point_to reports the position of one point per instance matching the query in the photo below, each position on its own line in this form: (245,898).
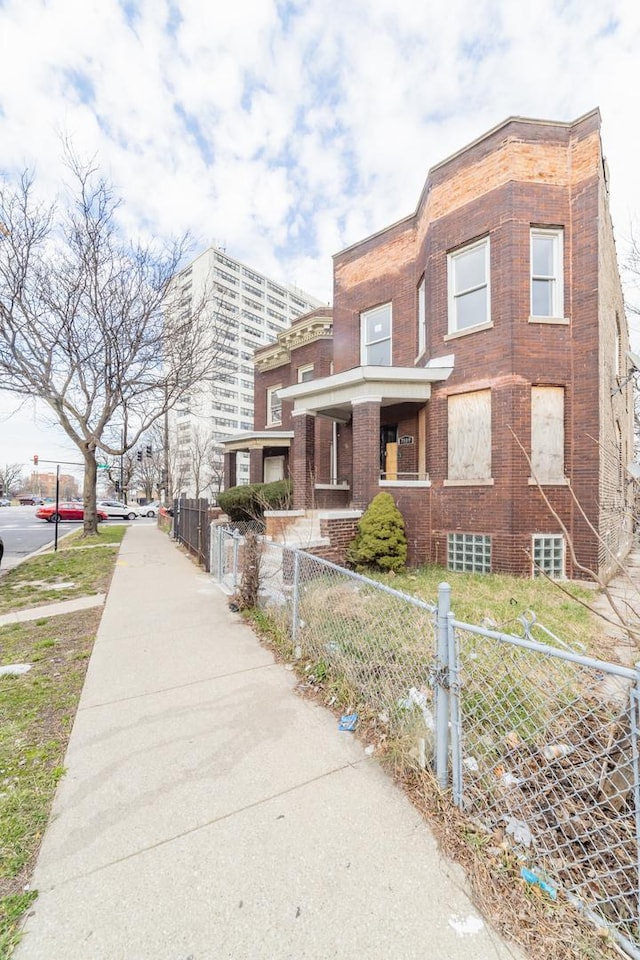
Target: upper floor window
(305,373)
(274,406)
(422,317)
(376,336)
(469,297)
(546,273)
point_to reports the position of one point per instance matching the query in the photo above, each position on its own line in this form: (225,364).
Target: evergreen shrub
(380,541)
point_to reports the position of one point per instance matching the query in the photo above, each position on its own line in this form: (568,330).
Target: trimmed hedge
(248,502)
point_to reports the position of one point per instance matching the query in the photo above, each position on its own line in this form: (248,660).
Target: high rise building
(248,310)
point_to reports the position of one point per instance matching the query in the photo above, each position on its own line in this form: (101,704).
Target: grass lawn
(80,568)
(502,600)
(37,708)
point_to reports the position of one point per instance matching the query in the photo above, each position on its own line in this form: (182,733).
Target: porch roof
(333,396)
(257,440)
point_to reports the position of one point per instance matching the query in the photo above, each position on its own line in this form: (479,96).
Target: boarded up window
(547,434)
(470,436)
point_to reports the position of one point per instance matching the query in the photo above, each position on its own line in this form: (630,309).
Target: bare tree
(94,325)
(10,478)
(150,457)
(200,451)
(216,467)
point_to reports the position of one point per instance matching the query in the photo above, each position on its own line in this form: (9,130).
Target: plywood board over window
(469,438)
(547,434)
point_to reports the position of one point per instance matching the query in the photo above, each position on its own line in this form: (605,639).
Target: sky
(286,130)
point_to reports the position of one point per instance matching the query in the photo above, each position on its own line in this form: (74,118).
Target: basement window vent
(548,556)
(469,553)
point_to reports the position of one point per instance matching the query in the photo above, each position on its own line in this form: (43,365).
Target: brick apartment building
(474,365)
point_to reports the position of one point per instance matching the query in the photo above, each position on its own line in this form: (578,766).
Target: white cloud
(286,130)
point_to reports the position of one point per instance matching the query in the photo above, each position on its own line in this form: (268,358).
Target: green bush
(249,502)
(380,541)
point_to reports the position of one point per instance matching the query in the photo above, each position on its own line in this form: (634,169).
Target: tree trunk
(89,493)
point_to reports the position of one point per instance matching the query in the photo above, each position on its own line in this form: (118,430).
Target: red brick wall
(366,452)
(520,175)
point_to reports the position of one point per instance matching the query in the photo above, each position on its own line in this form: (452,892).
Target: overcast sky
(285,130)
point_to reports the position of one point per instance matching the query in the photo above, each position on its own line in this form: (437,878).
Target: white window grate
(469,553)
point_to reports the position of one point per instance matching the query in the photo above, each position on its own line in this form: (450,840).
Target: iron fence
(538,742)
(191,527)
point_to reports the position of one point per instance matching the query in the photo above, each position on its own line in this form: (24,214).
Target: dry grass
(544,928)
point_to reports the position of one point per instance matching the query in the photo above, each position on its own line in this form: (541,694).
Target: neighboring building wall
(304,344)
(616,401)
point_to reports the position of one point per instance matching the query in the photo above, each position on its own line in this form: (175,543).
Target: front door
(273,469)
(389,452)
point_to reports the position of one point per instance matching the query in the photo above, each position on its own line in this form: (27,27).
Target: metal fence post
(236,549)
(220,554)
(454,705)
(296,596)
(441,692)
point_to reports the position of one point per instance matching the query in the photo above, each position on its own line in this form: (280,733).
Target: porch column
(366,450)
(303,460)
(256,469)
(230,461)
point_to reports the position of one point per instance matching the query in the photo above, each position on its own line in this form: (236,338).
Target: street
(23,533)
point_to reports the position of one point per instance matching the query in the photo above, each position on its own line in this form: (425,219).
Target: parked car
(30,500)
(149,509)
(115,508)
(4,502)
(66,511)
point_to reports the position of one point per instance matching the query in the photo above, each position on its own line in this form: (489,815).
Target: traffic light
(117,486)
(149,450)
(139,456)
(35,459)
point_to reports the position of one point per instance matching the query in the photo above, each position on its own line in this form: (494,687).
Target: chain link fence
(545,757)
(538,743)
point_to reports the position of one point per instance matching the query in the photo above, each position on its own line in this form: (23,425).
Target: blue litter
(532,877)
(348,721)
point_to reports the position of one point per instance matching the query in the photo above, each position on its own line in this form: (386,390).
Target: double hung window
(546,274)
(274,406)
(469,293)
(375,335)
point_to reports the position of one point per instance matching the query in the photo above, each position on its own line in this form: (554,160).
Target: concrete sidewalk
(209,812)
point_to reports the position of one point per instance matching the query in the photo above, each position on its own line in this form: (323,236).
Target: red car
(66,511)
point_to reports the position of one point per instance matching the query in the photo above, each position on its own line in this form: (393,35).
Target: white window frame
(456,295)
(364,344)
(422,317)
(307,368)
(554,543)
(469,552)
(556,278)
(271,422)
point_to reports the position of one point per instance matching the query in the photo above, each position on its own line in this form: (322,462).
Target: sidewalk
(210,813)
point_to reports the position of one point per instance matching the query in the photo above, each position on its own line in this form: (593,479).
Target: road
(23,533)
